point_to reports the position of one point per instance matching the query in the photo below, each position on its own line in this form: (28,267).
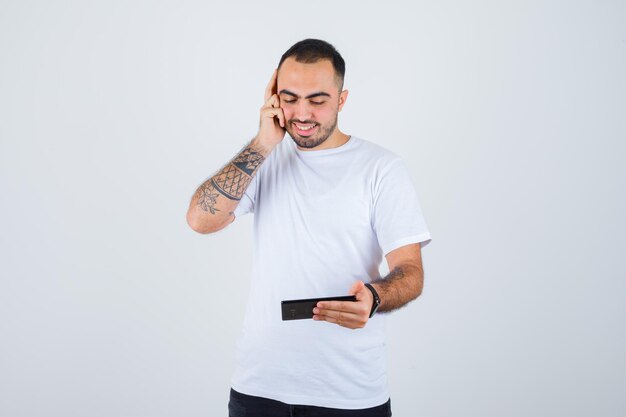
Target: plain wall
(510,115)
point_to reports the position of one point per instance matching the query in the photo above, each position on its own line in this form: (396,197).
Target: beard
(308,142)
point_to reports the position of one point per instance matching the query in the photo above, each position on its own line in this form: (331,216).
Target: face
(310,98)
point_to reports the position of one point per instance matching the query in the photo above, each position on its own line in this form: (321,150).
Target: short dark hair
(310,51)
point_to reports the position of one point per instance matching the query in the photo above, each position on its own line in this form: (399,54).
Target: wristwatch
(376,301)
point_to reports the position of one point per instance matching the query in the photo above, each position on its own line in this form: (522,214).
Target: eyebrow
(289,93)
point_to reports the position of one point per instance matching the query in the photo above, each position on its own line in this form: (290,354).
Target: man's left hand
(350,314)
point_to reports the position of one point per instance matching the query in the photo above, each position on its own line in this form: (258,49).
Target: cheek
(326,114)
(287,112)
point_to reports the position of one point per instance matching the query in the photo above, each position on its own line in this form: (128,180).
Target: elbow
(418,283)
(418,292)
(196,225)
(200,225)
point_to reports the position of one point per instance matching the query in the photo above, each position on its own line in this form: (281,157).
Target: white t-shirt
(322,220)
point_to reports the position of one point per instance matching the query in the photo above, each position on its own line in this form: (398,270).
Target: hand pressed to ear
(350,314)
(272,123)
(272,86)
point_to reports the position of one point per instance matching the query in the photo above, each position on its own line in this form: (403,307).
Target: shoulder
(377,157)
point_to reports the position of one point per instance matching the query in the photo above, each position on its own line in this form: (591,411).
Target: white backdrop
(511,116)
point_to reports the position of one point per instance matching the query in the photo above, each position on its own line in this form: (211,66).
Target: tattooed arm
(214,202)
(212,206)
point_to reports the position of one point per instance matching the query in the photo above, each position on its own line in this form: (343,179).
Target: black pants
(242,405)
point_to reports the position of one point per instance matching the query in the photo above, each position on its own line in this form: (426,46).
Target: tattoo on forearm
(207,197)
(248,160)
(232,181)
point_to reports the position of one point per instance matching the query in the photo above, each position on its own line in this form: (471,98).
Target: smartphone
(303,309)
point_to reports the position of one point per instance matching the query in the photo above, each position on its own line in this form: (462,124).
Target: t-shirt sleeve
(397,217)
(247,202)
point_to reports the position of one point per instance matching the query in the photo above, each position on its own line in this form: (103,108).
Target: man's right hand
(212,206)
(272,124)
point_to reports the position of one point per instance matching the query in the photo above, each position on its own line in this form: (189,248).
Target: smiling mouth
(305,129)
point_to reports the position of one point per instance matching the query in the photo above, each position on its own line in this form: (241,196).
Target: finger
(346,314)
(272,112)
(271,86)
(341,320)
(351,319)
(358,309)
(340,316)
(272,101)
(337,319)
(351,306)
(281,117)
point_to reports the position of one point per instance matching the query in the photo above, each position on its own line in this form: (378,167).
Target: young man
(326,206)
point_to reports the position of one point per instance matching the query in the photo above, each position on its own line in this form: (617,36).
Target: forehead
(307,78)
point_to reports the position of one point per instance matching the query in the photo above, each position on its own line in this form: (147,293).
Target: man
(326,207)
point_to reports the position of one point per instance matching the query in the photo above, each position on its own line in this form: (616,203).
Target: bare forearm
(213,203)
(402,285)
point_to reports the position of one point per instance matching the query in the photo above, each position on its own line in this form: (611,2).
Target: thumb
(357,288)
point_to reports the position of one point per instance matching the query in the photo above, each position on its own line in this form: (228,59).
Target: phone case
(303,309)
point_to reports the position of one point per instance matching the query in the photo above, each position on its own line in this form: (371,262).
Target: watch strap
(376,301)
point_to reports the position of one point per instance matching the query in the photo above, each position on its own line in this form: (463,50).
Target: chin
(307,143)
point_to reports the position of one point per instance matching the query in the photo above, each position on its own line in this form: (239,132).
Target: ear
(342,99)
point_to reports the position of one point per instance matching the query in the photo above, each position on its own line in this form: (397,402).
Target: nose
(303,111)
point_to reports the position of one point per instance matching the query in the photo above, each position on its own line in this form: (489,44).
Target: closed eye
(317,103)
